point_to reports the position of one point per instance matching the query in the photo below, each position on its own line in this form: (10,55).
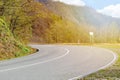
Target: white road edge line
(114,59)
(53,59)
(76,77)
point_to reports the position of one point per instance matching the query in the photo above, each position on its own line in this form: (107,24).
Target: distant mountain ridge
(80,14)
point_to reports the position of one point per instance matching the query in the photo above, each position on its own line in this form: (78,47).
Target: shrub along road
(54,62)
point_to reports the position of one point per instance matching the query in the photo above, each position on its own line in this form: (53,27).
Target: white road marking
(67,52)
(24,66)
(76,77)
(114,59)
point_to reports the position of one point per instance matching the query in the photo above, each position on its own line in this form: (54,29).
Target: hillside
(52,28)
(30,21)
(79,14)
(105,28)
(50,22)
(15,29)
(9,46)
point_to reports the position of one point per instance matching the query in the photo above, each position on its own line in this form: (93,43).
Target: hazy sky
(99,4)
(107,7)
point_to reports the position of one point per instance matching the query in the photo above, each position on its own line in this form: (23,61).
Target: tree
(65,31)
(19,21)
(113,32)
(9,46)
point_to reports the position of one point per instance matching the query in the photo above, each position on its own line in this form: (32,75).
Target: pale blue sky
(106,7)
(99,4)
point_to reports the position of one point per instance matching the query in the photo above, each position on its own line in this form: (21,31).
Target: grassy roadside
(111,73)
(17,53)
(10,47)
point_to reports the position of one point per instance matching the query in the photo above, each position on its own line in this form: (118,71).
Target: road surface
(57,63)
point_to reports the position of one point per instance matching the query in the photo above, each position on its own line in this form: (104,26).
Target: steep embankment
(9,46)
(15,29)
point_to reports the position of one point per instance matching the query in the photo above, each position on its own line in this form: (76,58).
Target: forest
(27,21)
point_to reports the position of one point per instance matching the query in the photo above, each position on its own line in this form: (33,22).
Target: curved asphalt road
(57,63)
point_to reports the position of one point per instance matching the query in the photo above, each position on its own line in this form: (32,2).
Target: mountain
(106,28)
(50,27)
(80,14)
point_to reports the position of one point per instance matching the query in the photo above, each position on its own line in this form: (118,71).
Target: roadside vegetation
(31,21)
(25,21)
(110,73)
(9,46)
(15,29)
